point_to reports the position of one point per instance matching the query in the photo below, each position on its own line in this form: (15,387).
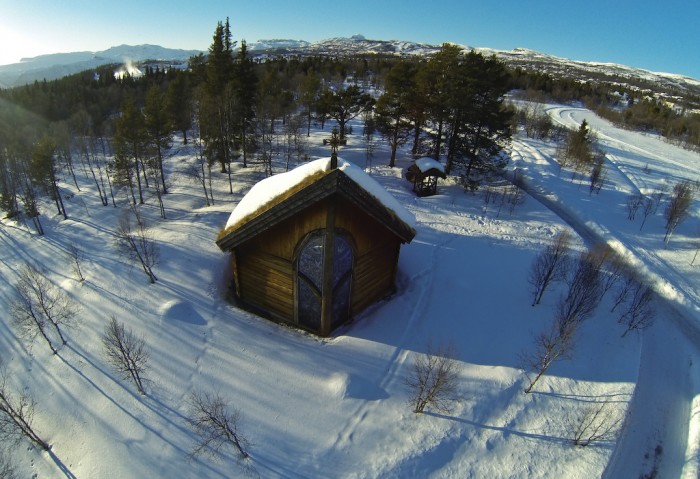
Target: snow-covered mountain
(58,65)
(668,85)
(355,45)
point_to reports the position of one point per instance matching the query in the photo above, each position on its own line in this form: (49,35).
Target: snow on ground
(337,407)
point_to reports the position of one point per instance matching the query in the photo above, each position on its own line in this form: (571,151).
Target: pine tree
(130,143)
(437,79)
(393,107)
(309,90)
(178,103)
(43,170)
(157,128)
(346,104)
(465,103)
(487,123)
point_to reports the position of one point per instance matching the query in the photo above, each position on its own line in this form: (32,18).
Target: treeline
(633,107)
(118,128)
(679,128)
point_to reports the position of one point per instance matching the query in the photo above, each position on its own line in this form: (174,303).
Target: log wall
(264,266)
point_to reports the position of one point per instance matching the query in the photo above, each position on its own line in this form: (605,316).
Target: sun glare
(15,46)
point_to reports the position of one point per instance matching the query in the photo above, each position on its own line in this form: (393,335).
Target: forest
(238,108)
(231,118)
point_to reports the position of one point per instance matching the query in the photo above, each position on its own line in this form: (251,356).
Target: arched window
(309,282)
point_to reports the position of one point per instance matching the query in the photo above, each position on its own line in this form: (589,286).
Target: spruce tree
(215,112)
(244,91)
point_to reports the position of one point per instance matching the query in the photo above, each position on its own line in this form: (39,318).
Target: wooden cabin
(424,174)
(315,246)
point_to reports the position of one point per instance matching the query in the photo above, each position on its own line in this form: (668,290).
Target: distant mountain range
(670,86)
(58,65)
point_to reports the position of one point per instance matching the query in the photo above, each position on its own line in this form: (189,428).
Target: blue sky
(655,35)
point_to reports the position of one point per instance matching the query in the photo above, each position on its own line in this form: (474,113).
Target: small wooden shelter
(424,173)
(316,245)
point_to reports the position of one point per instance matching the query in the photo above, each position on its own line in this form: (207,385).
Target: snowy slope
(662,410)
(337,407)
(58,65)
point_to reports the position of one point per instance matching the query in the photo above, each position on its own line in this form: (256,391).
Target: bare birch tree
(648,209)
(697,250)
(678,207)
(638,313)
(634,202)
(16,414)
(134,240)
(598,175)
(7,467)
(615,269)
(550,265)
(578,304)
(433,379)
(216,425)
(77,256)
(584,292)
(593,423)
(550,347)
(42,308)
(125,352)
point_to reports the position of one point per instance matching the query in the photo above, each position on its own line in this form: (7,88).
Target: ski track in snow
(422,282)
(662,411)
(655,438)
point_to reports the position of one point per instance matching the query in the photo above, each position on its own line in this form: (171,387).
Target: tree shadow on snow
(142,400)
(538,436)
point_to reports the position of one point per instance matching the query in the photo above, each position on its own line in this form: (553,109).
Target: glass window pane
(311,267)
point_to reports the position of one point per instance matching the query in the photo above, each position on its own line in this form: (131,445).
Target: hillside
(57,65)
(338,407)
(671,87)
(674,88)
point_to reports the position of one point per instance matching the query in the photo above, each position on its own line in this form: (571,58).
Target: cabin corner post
(234,272)
(327,288)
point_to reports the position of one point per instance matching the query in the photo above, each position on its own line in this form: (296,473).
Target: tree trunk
(138,181)
(162,171)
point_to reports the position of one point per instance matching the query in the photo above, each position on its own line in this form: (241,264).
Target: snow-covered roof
(267,192)
(426,164)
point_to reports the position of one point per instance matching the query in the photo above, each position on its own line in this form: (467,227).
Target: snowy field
(337,407)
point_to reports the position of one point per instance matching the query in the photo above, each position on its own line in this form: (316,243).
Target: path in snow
(656,433)
(419,295)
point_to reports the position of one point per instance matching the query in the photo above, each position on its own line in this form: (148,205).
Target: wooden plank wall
(264,267)
(373,276)
(265,281)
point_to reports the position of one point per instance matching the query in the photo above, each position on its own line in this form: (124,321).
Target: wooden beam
(327,289)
